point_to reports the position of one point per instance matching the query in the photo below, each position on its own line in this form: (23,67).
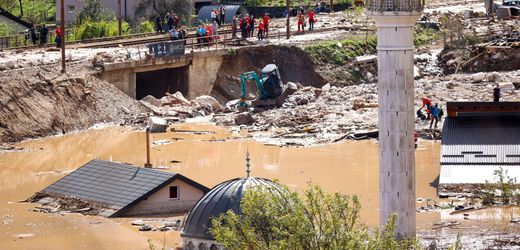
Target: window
(174,192)
(71,8)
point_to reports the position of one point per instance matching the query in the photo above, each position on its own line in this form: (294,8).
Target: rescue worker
(176,21)
(301,22)
(428,104)
(266,19)
(260,31)
(312,19)
(496,93)
(59,36)
(435,115)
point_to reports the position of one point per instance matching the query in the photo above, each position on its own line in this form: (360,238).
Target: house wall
(111,5)
(160,202)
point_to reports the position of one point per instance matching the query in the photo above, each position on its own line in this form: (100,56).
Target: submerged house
(117,190)
(477,139)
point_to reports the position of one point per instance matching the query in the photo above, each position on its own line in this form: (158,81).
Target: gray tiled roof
(114,184)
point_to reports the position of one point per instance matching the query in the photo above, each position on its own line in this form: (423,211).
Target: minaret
(248,171)
(395,21)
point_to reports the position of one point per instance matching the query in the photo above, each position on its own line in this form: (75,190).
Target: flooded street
(350,167)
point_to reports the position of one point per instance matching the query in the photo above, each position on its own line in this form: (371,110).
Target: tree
(286,220)
(154,8)
(93,11)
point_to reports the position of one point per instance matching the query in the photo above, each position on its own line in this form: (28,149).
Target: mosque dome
(223,197)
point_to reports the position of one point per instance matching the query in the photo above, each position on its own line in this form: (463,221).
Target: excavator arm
(247,76)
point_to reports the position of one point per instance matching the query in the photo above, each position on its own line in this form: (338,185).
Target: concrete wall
(203,69)
(160,202)
(127,8)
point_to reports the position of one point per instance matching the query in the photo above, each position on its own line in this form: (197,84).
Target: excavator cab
(271,81)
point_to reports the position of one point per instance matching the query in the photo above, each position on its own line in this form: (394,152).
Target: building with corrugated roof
(477,139)
(118,190)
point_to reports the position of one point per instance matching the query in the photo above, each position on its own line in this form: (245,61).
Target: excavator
(271,90)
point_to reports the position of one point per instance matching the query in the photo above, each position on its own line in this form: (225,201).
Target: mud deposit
(349,167)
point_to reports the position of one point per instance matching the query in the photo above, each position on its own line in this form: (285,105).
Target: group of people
(434,112)
(38,34)
(219,15)
(302,18)
(207,33)
(247,25)
(166,24)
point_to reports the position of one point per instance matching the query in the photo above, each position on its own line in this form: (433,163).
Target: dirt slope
(37,102)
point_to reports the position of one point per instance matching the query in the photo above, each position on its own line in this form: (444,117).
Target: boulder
(10,64)
(208,100)
(416,72)
(152,100)
(2,66)
(325,87)
(506,86)
(478,77)
(516,82)
(493,77)
(244,118)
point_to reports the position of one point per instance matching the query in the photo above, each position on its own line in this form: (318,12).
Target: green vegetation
(5,30)
(505,191)
(88,29)
(37,11)
(273,219)
(343,51)
(92,11)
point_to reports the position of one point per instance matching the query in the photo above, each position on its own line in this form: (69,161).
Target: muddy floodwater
(350,167)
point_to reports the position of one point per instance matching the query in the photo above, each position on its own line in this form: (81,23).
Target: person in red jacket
(261,31)
(312,19)
(428,104)
(59,36)
(301,22)
(266,19)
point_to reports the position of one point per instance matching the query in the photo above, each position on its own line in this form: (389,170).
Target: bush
(89,29)
(5,30)
(273,219)
(341,52)
(146,26)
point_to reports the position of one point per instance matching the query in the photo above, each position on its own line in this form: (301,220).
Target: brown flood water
(349,167)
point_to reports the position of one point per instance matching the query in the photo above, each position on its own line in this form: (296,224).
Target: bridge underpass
(158,82)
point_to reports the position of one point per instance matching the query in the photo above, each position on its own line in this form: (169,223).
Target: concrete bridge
(193,74)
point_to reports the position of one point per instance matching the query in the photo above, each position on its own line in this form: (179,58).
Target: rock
(325,87)
(208,100)
(176,98)
(370,76)
(506,86)
(244,118)
(10,64)
(2,66)
(145,228)
(152,100)
(478,77)
(157,125)
(516,82)
(416,72)
(493,77)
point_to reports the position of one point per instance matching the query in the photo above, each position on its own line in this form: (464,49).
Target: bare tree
(153,8)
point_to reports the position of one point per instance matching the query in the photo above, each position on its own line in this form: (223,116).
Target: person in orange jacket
(301,22)
(312,19)
(261,31)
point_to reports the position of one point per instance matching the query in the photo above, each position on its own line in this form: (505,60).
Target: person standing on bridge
(59,35)
(213,16)
(234,27)
(158,25)
(169,21)
(496,93)
(44,32)
(261,31)
(222,14)
(32,32)
(175,21)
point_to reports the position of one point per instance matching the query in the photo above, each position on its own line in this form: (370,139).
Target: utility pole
(63,37)
(288,8)
(119,17)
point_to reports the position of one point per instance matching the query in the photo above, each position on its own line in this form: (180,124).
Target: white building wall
(110,5)
(160,202)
